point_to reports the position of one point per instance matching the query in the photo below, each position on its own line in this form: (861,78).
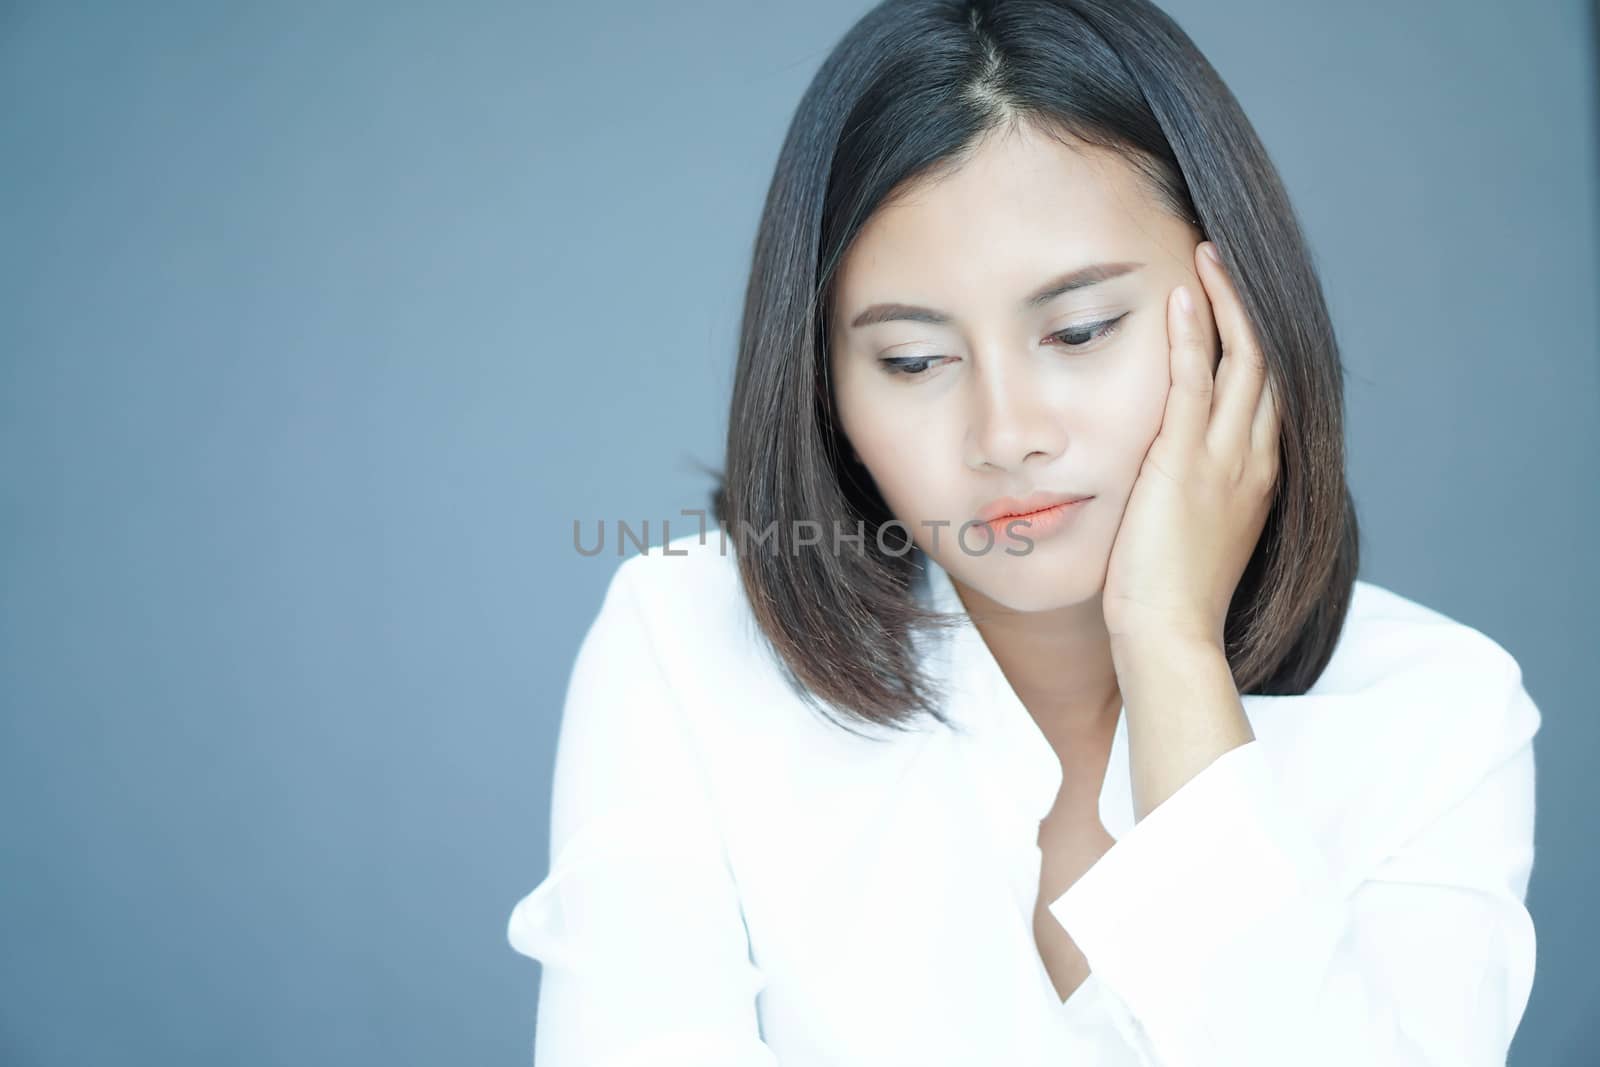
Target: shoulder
(1393,648)
(687,602)
(689,605)
(1413,711)
(689,575)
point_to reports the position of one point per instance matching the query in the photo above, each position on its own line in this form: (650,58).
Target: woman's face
(996,400)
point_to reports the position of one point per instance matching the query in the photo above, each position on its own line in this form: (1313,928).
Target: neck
(1058,662)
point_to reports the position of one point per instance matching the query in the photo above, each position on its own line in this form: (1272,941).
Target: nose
(1012,417)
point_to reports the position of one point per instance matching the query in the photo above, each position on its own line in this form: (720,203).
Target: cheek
(893,446)
(906,470)
(1135,403)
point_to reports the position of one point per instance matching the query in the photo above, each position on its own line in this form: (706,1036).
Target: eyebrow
(1081,278)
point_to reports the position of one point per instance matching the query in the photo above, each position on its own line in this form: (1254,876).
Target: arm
(638,925)
(1229,931)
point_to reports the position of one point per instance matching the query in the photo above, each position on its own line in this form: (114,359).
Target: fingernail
(1211,251)
(1183,299)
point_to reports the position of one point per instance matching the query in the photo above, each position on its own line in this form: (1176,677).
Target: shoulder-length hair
(907,92)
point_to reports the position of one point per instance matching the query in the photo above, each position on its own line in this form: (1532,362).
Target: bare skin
(1009,378)
(1021,412)
(1001,406)
(1071,839)
(1069,849)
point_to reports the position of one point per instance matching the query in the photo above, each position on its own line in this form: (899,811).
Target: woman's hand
(1203,493)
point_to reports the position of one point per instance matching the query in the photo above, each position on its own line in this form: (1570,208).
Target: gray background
(323,322)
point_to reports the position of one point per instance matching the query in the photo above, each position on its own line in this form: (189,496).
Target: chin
(1039,581)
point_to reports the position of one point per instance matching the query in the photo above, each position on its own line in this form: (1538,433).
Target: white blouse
(736,882)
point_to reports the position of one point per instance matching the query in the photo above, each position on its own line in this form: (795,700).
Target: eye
(1082,336)
(1072,337)
(909,366)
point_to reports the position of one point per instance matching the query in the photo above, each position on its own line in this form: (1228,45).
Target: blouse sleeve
(1226,932)
(638,928)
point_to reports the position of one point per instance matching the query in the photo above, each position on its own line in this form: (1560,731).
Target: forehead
(1022,206)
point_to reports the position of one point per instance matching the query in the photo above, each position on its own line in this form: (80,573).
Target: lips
(1012,507)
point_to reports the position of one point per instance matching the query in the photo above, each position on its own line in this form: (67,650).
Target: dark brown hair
(906,93)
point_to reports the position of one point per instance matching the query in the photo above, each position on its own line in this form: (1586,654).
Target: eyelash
(896,366)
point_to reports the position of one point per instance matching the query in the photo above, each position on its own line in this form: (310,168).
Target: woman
(1025,704)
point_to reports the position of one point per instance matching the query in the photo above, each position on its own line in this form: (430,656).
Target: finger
(1265,427)
(1189,359)
(1242,371)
